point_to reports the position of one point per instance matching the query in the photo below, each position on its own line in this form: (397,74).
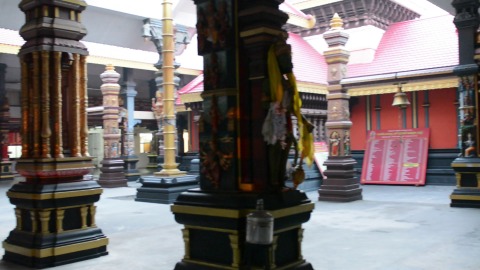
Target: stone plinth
(467,192)
(219,221)
(341,184)
(164,189)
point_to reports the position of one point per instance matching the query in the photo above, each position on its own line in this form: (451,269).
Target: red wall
(442,117)
(359,125)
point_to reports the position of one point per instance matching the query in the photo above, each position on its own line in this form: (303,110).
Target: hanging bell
(400,99)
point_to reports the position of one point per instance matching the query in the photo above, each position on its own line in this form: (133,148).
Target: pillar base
(193,266)
(152,165)
(55,224)
(130,168)
(467,193)
(341,184)
(67,247)
(112,173)
(218,219)
(6,170)
(164,190)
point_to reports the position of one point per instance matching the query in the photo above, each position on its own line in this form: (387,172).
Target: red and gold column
(112,171)
(54,207)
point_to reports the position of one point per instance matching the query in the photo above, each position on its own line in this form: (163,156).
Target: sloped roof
(413,45)
(308,64)
(190,92)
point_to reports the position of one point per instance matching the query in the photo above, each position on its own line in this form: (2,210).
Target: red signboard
(396,157)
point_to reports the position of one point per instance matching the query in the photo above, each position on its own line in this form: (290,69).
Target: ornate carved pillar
(467,165)
(54,206)
(129,158)
(5,163)
(112,171)
(341,184)
(239,161)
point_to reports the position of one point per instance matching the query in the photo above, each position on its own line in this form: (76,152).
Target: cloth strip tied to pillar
(285,99)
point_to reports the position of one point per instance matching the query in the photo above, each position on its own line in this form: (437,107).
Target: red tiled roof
(413,45)
(195,86)
(308,64)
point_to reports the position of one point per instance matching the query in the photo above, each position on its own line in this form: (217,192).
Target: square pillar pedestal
(55,220)
(215,230)
(467,192)
(341,184)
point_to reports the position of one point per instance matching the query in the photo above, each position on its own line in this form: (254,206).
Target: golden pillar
(169,167)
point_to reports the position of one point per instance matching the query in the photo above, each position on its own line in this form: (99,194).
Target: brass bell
(400,99)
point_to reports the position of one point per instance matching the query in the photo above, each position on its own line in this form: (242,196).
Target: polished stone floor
(393,227)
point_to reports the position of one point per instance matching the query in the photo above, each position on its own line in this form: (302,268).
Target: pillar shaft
(129,157)
(341,183)
(467,165)
(49,203)
(169,167)
(112,171)
(237,39)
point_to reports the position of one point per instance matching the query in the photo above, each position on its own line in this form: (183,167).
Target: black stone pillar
(238,163)
(467,165)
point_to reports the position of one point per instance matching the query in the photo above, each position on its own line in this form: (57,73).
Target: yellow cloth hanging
(305,144)
(274,75)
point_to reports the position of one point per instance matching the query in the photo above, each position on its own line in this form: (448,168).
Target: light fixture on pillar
(400,99)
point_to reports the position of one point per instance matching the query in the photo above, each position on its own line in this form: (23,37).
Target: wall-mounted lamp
(400,99)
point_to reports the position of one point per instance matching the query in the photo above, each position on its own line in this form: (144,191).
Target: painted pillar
(55,206)
(467,165)
(5,163)
(129,157)
(240,163)
(341,184)
(112,171)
